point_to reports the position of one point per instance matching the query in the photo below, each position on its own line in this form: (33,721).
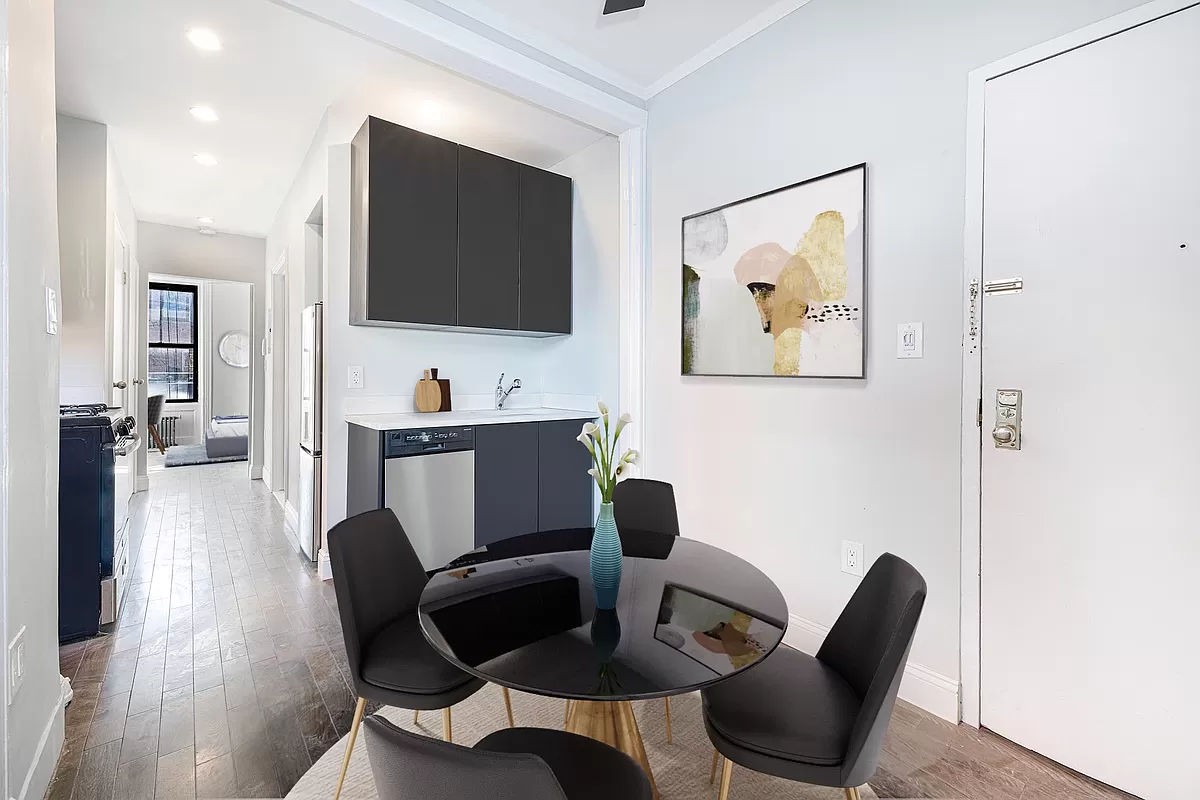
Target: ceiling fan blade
(615,6)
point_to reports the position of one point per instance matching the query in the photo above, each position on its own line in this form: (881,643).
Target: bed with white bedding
(227,436)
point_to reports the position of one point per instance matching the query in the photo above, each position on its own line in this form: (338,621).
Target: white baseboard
(268,478)
(37,781)
(256,472)
(291,517)
(921,686)
(324,567)
(142,484)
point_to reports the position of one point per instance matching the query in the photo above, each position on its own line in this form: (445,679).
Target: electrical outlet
(354,377)
(16,664)
(852,558)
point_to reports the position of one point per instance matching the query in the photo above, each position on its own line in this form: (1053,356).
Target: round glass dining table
(522,613)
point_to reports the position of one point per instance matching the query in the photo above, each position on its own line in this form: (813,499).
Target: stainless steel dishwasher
(429,482)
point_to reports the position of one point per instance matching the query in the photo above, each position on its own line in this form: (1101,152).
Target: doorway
(1079,345)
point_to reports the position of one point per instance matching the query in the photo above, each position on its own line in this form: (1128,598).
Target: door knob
(138,381)
(1004,434)
(120,385)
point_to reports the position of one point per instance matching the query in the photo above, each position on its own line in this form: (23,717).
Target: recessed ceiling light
(204,220)
(205,159)
(204,113)
(205,39)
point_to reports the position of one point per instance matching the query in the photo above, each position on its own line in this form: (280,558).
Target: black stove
(95,468)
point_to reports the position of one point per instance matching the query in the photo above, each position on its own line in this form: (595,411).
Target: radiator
(166,430)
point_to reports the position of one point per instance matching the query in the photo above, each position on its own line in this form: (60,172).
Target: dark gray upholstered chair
(511,764)
(378,579)
(822,720)
(154,407)
(640,504)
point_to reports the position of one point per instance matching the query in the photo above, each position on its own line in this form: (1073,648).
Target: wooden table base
(614,724)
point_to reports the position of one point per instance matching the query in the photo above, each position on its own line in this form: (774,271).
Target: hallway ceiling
(128,64)
(640,51)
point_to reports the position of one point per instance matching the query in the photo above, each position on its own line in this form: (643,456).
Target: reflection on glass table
(712,632)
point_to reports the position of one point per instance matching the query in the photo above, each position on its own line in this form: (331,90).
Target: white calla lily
(591,429)
(601,443)
(622,423)
(603,409)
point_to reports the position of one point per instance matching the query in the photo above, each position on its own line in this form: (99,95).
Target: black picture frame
(864,310)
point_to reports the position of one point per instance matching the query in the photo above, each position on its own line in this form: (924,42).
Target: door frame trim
(971,437)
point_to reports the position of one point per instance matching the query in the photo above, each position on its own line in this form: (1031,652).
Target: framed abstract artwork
(775,285)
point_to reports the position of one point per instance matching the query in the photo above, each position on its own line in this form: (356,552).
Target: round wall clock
(234,349)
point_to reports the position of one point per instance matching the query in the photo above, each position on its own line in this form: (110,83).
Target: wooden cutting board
(428,395)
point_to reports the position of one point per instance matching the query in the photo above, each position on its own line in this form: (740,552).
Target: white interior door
(1091,531)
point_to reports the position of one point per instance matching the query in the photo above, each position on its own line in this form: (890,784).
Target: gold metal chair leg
(358,715)
(852,793)
(567,713)
(712,774)
(447,726)
(667,706)
(508,707)
(416,717)
(726,780)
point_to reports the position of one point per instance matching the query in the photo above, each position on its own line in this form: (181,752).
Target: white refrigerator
(310,511)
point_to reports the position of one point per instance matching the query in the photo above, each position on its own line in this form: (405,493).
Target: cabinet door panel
(488,257)
(565,488)
(506,481)
(546,218)
(413,234)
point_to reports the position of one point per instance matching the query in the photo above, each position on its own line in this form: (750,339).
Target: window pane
(172,316)
(172,373)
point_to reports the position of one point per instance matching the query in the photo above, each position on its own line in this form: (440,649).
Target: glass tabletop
(522,613)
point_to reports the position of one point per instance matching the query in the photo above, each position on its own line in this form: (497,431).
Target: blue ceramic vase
(606,559)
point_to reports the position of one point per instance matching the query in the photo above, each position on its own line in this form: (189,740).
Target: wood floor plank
(136,779)
(176,779)
(97,772)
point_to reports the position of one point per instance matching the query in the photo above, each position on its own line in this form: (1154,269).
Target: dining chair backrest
(377,577)
(868,646)
(406,765)
(154,407)
(640,504)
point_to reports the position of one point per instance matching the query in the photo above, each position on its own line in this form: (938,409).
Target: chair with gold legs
(822,720)
(640,504)
(378,579)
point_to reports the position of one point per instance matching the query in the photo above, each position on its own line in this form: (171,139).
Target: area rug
(681,769)
(186,455)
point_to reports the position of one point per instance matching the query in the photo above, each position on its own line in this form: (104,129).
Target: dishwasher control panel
(427,441)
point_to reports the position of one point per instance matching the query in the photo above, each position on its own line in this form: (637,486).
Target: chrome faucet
(502,393)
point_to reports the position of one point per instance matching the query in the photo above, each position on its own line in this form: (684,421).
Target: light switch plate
(16,664)
(852,558)
(910,340)
(354,377)
(51,311)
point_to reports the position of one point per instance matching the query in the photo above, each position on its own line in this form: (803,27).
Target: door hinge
(979,414)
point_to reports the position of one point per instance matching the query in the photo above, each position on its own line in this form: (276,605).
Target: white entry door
(1090,589)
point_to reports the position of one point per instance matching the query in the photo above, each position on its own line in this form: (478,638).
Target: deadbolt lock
(1007,433)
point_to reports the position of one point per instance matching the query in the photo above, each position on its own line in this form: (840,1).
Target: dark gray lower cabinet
(530,477)
(506,481)
(564,487)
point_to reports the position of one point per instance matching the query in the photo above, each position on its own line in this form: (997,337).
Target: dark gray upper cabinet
(404,223)
(446,236)
(546,216)
(506,481)
(564,487)
(489,256)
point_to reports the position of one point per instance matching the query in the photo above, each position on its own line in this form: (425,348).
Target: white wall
(93,205)
(807,463)
(83,236)
(564,371)
(170,250)
(227,389)
(33,723)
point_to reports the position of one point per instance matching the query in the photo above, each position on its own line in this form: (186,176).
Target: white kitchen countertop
(445,419)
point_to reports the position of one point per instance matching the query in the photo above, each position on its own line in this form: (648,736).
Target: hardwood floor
(226,674)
